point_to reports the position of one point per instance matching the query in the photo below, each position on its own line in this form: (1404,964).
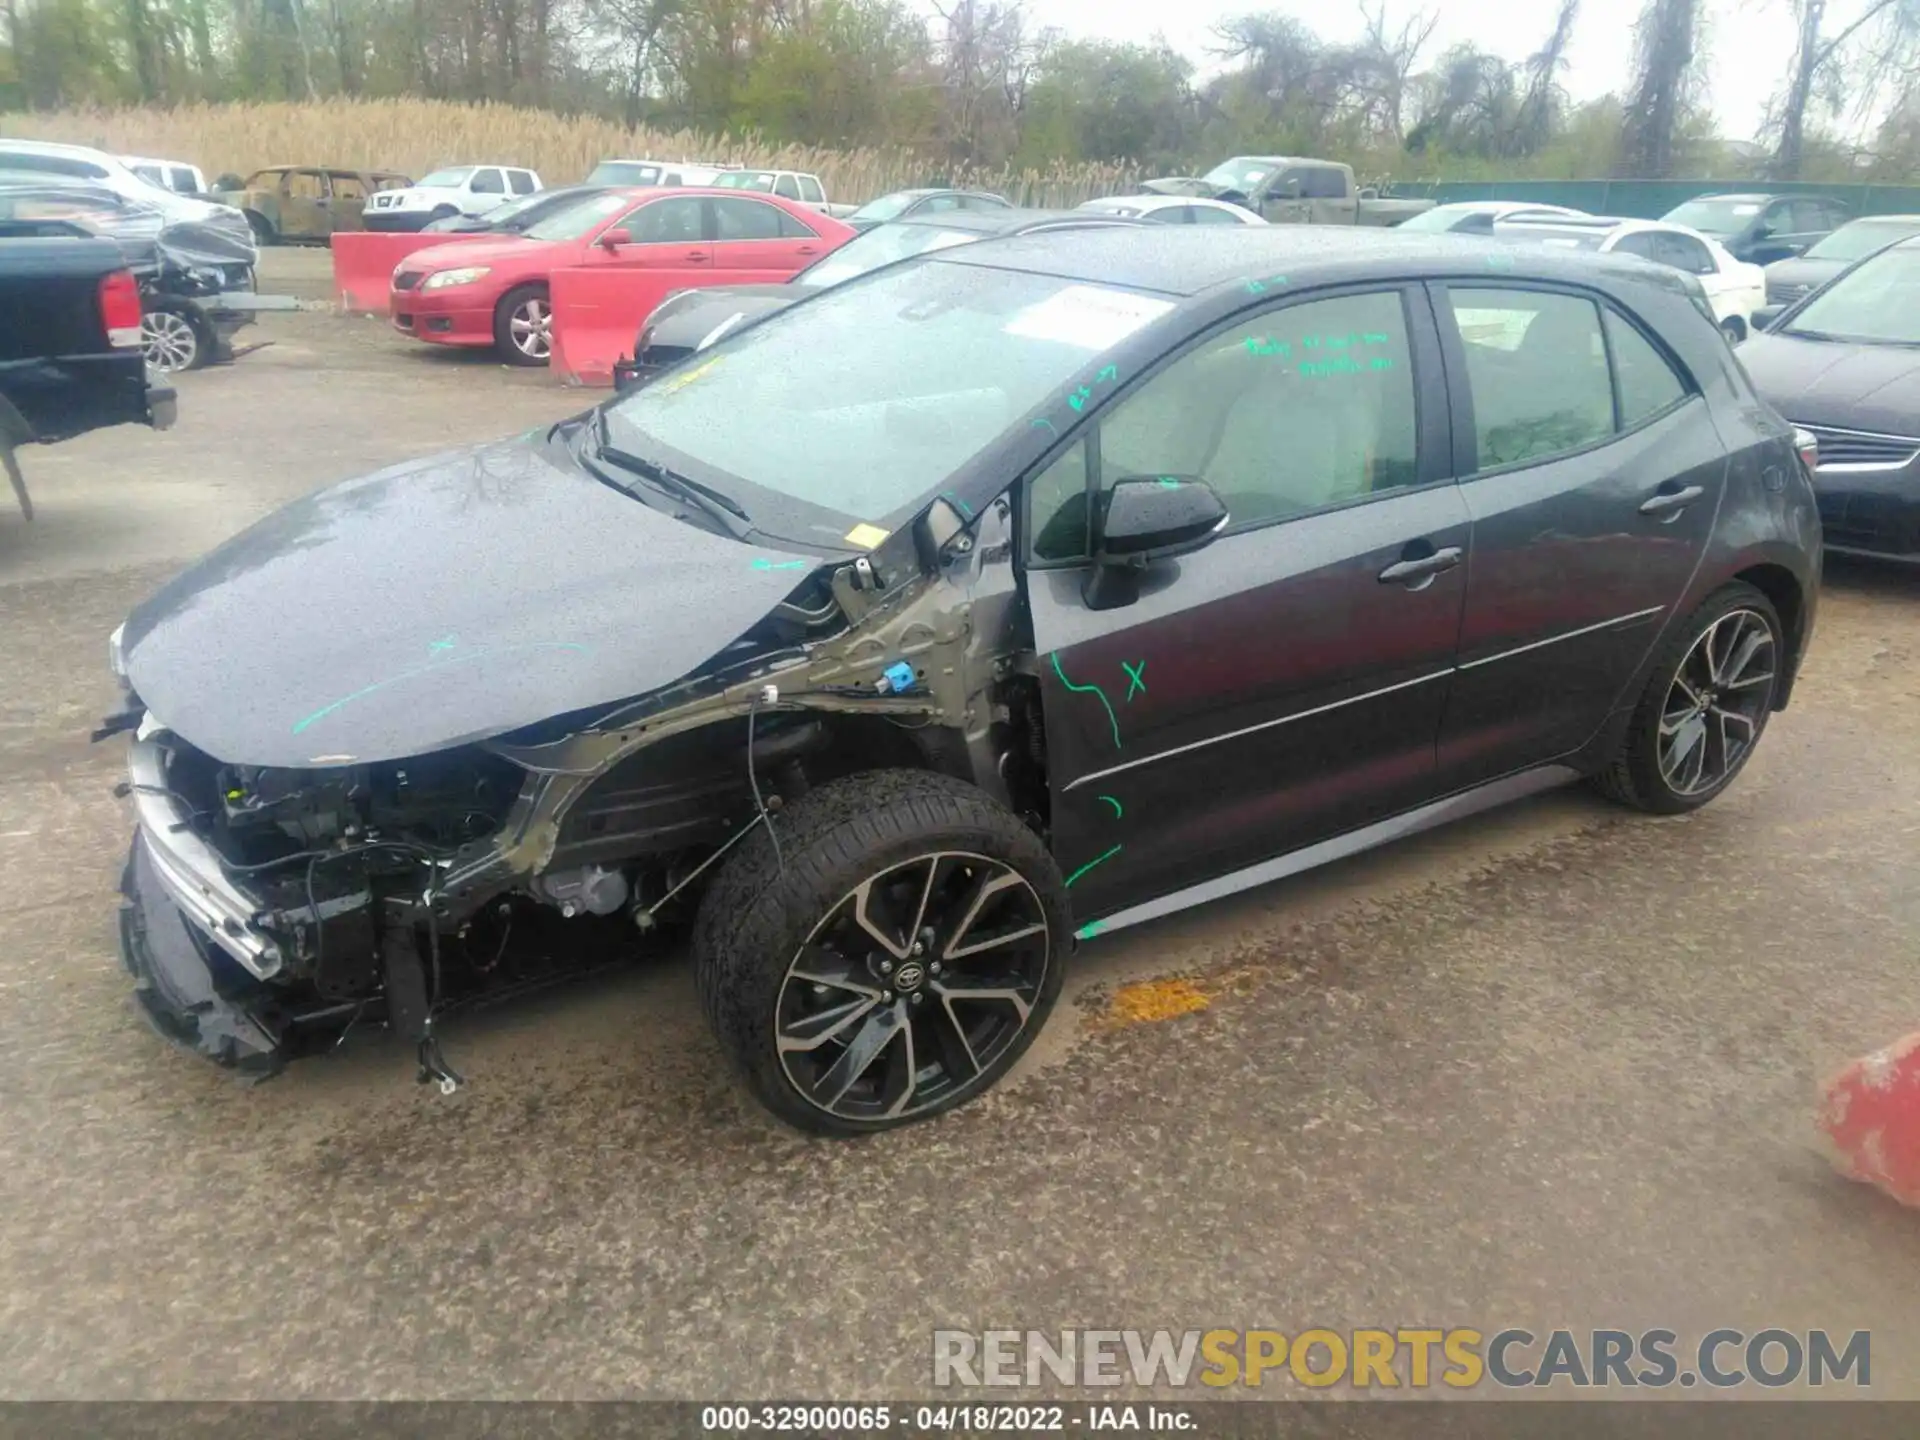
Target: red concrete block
(363,262)
(1872,1116)
(597,312)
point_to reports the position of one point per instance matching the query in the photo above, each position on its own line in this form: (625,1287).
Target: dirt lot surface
(1554,1066)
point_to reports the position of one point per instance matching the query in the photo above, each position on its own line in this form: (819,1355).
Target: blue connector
(896,679)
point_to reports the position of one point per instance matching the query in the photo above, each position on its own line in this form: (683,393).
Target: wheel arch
(1782,587)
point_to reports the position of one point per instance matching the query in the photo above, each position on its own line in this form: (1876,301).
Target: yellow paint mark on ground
(1149,1000)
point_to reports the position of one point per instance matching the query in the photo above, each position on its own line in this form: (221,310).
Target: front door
(349,199)
(755,242)
(1593,473)
(1287,682)
(664,237)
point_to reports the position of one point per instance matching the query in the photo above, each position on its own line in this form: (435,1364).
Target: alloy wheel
(170,341)
(531,326)
(913,985)
(1717,703)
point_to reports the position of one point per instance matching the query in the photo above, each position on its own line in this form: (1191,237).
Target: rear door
(1329,191)
(1286,202)
(349,199)
(1592,472)
(755,241)
(1287,682)
(305,205)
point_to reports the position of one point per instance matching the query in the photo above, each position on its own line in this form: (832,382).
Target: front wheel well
(1778,584)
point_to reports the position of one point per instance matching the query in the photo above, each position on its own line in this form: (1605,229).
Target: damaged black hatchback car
(989,602)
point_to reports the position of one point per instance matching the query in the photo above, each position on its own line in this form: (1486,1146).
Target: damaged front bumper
(184,984)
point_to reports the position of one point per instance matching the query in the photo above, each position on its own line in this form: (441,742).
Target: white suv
(456,190)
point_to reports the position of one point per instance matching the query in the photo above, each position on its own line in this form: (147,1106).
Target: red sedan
(494,292)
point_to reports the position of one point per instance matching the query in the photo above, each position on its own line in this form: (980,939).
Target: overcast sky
(1750,41)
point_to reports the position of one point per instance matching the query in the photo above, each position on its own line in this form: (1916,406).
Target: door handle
(696,257)
(1670,502)
(806,250)
(1417,572)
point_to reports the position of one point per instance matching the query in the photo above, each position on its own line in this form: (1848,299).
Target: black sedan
(1004,598)
(1791,280)
(694,319)
(925,204)
(1844,363)
(516,216)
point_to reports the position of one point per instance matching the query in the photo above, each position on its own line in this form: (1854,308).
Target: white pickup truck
(454,190)
(789,185)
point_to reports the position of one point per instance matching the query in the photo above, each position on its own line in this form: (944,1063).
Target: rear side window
(1683,252)
(522,181)
(348,187)
(307,185)
(791,228)
(1322,182)
(1647,382)
(185,181)
(1537,372)
(746,220)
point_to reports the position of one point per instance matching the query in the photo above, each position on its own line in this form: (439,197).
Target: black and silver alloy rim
(912,987)
(1717,703)
(169,339)
(531,326)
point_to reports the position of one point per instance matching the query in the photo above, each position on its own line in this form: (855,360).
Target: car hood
(1846,387)
(686,319)
(1801,271)
(502,250)
(436,603)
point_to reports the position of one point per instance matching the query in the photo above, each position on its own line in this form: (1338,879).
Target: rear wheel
(893,959)
(1734,328)
(172,341)
(263,231)
(1705,704)
(523,326)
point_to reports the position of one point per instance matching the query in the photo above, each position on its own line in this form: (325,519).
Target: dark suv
(1762,228)
(990,601)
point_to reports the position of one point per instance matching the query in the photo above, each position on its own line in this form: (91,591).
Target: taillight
(120,309)
(1809,448)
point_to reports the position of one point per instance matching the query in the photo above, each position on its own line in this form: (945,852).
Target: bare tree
(1388,56)
(1893,26)
(1533,124)
(1665,67)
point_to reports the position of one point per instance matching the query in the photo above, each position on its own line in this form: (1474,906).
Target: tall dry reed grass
(414,136)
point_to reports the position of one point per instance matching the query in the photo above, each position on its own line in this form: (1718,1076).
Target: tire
(1734,328)
(442,212)
(173,340)
(879,844)
(1654,770)
(263,231)
(524,305)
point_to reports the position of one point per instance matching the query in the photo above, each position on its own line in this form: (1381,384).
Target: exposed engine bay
(320,900)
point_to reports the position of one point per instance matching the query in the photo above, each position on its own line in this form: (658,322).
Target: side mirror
(1765,317)
(616,236)
(1145,519)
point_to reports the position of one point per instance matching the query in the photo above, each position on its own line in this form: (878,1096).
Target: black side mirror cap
(1144,519)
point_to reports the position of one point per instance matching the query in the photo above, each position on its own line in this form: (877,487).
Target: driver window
(664,222)
(1286,413)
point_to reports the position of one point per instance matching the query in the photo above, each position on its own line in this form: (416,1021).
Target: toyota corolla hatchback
(494,292)
(983,605)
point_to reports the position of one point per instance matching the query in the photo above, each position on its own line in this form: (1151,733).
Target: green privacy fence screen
(1650,199)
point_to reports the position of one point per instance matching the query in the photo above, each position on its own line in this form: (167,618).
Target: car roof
(1190,260)
(1010,221)
(52,147)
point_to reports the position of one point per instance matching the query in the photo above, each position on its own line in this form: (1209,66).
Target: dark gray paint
(1849,387)
(436,603)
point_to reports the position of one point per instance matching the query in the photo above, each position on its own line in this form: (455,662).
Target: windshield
(932,363)
(451,178)
(624,172)
(746,180)
(887,207)
(576,220)
(1862,238)
(1878,303)
(879,246)
(1240,173)
(1715,217)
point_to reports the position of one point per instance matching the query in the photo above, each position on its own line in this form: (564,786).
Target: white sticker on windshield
(1087,317)
(1746,209)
